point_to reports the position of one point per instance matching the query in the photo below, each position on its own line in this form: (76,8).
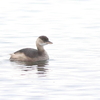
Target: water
(73,71)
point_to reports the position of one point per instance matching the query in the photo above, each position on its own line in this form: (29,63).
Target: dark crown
(44,38)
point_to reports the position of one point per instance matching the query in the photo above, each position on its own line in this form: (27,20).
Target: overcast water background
(73,71)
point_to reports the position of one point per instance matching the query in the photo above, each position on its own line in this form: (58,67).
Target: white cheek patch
(42,44)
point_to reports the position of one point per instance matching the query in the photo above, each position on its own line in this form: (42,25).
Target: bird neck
(40,48)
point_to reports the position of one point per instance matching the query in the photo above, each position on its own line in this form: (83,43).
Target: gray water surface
(73,71)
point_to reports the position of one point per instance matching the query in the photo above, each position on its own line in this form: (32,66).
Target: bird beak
(49,42)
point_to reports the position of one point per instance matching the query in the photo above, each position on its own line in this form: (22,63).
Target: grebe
(30,54)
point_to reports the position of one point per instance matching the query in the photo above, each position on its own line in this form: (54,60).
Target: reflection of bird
(29,54)
(39,66)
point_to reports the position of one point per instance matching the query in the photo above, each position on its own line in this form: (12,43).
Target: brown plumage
(30,54)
